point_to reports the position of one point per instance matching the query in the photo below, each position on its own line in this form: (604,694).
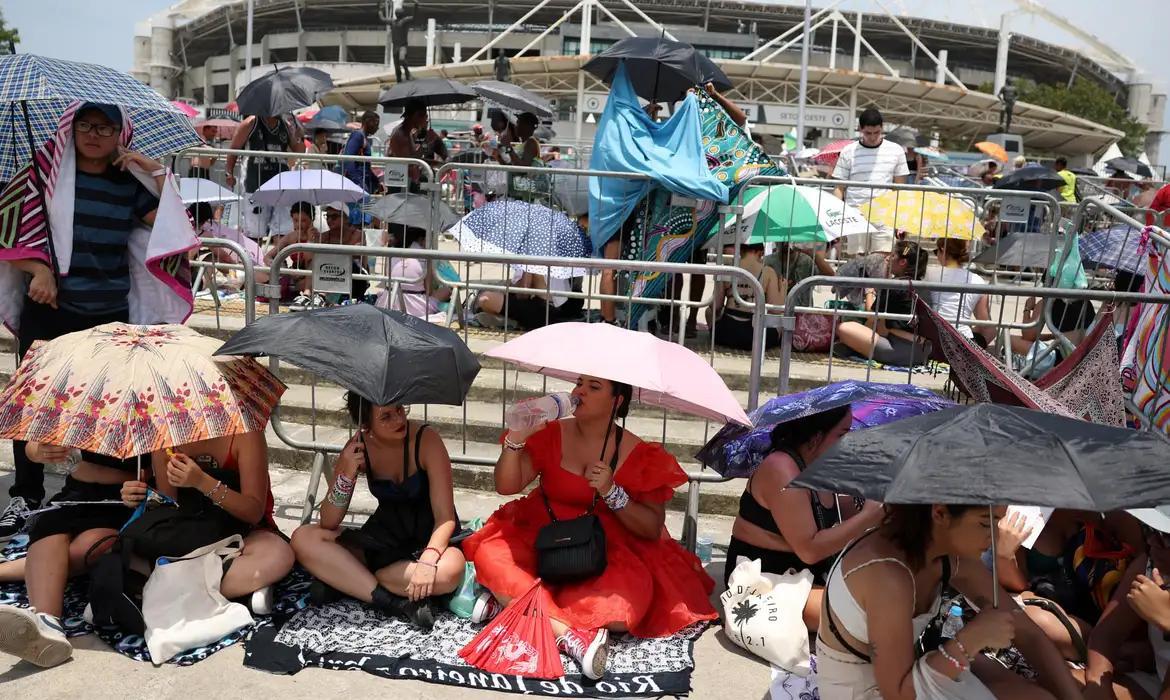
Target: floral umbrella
(125,390)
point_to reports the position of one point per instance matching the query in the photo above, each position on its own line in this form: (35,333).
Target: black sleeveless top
(752,511)
(262,138)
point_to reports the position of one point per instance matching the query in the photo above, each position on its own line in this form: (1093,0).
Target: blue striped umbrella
(46,86)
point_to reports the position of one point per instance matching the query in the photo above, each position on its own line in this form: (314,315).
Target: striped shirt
(105,210)
(879,164)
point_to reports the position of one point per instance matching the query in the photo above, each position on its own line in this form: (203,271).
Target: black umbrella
(903,136)
(1130,165)
(513,97)
(432,92)
(315,124)
(1022,249)
(990,454)
(660,69)
(386,356)
(1033,178)
(283,90)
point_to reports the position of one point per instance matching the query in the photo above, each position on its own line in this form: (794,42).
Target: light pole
(248,48)
(803,75)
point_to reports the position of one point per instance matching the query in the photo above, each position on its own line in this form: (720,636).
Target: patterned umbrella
(925,214)
(125,390)
(736,451)
(519,228)
(46,86)
(1118,247)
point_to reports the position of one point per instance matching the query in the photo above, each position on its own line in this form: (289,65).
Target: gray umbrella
(1022,249)
(411,210)
(513,97)
(432,92)
(903,136)
(283,90)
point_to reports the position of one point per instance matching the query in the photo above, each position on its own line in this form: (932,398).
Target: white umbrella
(312,186)
(198,189)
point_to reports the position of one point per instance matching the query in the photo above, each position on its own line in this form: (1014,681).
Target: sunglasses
(104,130)
(332,215)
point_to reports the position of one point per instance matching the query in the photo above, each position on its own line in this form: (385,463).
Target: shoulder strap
(836,632)
(418,446)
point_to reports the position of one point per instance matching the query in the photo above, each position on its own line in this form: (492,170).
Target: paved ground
(96,672)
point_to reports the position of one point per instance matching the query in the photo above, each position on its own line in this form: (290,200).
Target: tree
(9,36)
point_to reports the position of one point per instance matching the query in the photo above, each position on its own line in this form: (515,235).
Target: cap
(112,112)
(337,206)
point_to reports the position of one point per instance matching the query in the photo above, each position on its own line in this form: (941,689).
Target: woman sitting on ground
(885,590)
(955,307)
(530,309)
(890,342)
(232,473)
(424,295)
(62,542)
(651,586)
(732,325)
(793,528)
(400,558)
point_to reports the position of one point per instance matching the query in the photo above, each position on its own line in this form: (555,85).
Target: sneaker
(486,608)
(34,637)
(261,603)
(418,613)
(14,517)
(303,302)
(589,649)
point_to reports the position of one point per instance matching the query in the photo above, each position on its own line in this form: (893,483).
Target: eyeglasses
(104,130)
(333,215)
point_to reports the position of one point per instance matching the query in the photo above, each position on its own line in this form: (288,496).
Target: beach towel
(1146,361)
(628,141)
(38,204)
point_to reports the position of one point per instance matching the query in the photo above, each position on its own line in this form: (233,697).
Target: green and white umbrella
(795,214)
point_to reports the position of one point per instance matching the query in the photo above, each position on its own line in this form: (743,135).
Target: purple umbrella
(736,451)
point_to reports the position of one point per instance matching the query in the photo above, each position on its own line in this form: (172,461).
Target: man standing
(1069,192)
(262,134)
(870,159)
(399,40)
(359,145)
(503,67)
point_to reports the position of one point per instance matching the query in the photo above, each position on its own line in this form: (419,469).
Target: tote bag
(763,614)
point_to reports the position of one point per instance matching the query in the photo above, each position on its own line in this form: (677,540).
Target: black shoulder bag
(572,550)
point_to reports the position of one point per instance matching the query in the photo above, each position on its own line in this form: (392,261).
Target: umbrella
(386,356)
(832,151)
(990,454)
(993,150)
(432,92)
(1118,247)
(513,97)
(932,153)
(317,186)
(1130,165)
(797,214)
(519,641)
(904,136)
(1033,178)
(35,91)
(283,90)
(510,226)
(125,390)
(411,210)
(1022,249)
(572,194)
(662,373)
(327,124)
(197,189)
(659,68)
(736,451)
(185,108)
(224,128)
(924,214)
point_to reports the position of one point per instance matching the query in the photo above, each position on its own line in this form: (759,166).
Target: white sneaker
(303,302)
(486,608)
(262,601)
(589,649)
(35,637)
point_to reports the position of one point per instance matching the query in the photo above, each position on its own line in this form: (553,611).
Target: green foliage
(9,36)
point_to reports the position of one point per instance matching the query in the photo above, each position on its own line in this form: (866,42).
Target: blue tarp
(628,141)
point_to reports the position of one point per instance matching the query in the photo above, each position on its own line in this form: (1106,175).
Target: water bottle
(529,413)
(953,623)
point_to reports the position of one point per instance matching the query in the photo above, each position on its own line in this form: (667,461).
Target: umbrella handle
(994,561)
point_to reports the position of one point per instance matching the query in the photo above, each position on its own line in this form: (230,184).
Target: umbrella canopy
(185,108)
(510,226)
(513,97)
(432,92)
(932,153)
(1119,247)
(736,451)
(411,210)
(317,186)
(224,128)
(197,189)
(832,151)
(1033,178)
(904,136)
(1130,165)
(797,214)
(662,373)
(283,90)
(1021,249)
(993,150)
(124,390)
(47,86)
(386,356)
(925,214)
(318,122)
(990,454)
(660,69)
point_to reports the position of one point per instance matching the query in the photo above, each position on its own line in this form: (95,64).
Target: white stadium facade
(919,72)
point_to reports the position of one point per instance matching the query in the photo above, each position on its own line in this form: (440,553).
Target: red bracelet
(431,549)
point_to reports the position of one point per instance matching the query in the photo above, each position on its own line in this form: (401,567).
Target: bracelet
(222,496)
(211,494)
(342,490)
(953,661)
(432,549)
(617,498)
(962,649)
(513,446)
(426,563)
(159,173)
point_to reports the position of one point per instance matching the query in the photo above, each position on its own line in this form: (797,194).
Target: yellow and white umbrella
(925,214)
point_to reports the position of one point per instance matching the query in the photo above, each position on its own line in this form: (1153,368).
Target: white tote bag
(182,605)
(764,613)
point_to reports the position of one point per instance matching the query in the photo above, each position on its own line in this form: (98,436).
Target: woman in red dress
(651,586)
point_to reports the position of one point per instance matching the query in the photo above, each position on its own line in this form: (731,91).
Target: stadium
(919,72)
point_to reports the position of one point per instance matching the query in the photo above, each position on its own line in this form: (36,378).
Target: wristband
(426,563)
(342,490)
(952,660)
(159,173)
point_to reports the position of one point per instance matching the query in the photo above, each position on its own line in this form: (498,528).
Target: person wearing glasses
(402,556)
(890,342)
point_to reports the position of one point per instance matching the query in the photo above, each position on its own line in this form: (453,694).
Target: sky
(102,31)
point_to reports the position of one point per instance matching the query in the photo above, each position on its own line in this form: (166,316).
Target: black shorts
(74,520)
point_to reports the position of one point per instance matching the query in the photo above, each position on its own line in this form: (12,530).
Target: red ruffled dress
(654,587)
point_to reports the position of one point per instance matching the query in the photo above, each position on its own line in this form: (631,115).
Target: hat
(1157,518)
(112,112)
(337,206)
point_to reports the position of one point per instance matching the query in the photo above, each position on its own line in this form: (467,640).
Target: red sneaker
(589,649)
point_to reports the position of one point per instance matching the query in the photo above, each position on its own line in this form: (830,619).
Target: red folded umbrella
(519,641)
(831,152)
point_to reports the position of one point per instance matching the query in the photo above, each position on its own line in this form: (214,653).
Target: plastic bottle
(953,623)
(529,413)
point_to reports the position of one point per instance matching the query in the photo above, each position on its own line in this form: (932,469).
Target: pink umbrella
(830,153)
(224,128)
(662,373)
(185,108)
